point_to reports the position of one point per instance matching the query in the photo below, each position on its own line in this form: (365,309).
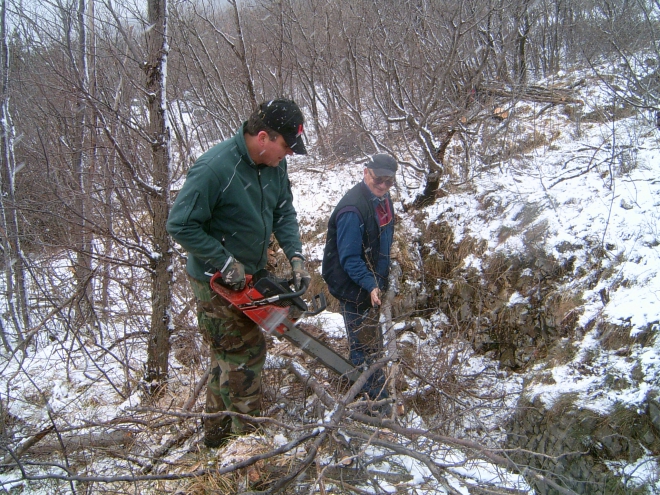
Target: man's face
(377,185)
(272,151)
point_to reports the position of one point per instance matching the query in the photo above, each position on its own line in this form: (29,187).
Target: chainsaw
(269,302)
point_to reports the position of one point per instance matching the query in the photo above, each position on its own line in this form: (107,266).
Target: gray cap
(382,165)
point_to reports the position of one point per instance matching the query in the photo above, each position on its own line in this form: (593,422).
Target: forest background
(105,105)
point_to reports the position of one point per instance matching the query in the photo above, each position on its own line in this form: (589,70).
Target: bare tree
(81,163)
(210,70)
(241,53)
(13,260)
(632,33)
(159,136)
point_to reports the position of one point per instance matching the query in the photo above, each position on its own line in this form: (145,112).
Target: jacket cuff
(229,261)
(371,287)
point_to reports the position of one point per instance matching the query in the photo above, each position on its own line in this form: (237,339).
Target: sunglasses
(388,181)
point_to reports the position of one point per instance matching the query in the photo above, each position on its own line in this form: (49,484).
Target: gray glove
(233,275)
(300,274)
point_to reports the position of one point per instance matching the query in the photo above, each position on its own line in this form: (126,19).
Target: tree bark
(241,52)
(158,348)
(83,242)
(433,178)
(14,263)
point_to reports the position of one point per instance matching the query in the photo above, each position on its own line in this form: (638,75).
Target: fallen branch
(73,443)
(24,447)
(534,93)
(307,379)
(167,446)
(216,471)
(481,451)
(194,415)
(433,466)
(198,389)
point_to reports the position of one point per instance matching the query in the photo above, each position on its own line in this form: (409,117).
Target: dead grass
(564,404)
(528,143)
(447,257)
(609,113)
(255,477)
(209,484)
(613,337)
(563,352)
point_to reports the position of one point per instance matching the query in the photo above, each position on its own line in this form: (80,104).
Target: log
(534,93)
(75,442)
(25,446)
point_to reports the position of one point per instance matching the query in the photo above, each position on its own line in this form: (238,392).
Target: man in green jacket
(235,195)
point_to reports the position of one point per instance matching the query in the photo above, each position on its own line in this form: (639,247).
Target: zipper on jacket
(261,191)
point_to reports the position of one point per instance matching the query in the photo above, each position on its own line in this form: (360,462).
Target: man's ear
(262,138)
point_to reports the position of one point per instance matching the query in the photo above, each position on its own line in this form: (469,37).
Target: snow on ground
(596,186)
(597,189)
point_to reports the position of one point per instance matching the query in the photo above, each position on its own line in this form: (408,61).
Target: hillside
(538,274)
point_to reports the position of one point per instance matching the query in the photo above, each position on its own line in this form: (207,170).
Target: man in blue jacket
(235,196)
(356,263)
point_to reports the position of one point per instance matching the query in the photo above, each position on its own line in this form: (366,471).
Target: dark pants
(365,341)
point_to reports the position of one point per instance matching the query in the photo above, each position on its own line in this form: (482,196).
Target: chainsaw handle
(304,285)
(282,297)
(216,278)
(319,304)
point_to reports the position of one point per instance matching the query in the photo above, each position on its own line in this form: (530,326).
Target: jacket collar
(241,146)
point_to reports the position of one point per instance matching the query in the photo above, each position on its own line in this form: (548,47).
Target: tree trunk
(14,262)
(242,55)
(161,275)
(523,26)
(434,176)
(83,242)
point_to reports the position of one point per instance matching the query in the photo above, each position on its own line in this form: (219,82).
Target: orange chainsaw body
(260,302)
(269,302)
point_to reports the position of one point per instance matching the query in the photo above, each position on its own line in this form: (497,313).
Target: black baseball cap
(383,165)
(284,117)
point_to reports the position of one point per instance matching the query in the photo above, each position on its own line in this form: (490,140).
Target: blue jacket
(356,258)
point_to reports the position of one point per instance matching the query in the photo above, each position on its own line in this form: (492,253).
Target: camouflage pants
(238,353)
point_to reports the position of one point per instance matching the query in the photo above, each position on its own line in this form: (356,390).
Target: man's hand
(375,297)
(299,273)
(233,276)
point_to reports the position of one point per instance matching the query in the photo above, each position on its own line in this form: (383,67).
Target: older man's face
(377,185)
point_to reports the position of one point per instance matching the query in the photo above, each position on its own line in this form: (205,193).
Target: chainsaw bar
(269,304)
(319,351)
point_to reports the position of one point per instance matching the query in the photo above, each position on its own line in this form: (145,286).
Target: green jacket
(229,206)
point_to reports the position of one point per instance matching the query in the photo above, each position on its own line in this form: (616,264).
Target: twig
(198,389)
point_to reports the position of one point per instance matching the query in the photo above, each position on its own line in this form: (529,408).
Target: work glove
(301,277)
(233,275)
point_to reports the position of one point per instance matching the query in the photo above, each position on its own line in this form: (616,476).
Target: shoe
(217,437)
(385,410)
(380,411)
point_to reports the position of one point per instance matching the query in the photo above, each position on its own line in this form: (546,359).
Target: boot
(217,435)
